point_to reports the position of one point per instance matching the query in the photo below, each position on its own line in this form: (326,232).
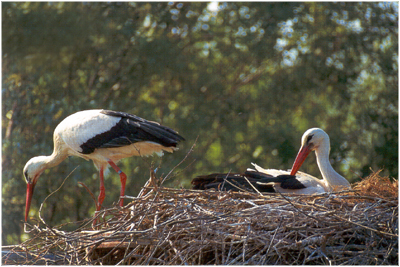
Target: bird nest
(181,226)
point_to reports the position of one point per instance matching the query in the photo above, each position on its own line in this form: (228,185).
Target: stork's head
(32,170)
(312,139)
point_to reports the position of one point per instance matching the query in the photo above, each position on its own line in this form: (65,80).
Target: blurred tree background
(246,79)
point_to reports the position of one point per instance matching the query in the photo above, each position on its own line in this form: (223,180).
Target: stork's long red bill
(301,157)
(29,194)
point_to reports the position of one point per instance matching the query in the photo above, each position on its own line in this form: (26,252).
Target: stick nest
(181,226)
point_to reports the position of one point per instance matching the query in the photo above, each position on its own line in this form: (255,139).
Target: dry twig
(183,226)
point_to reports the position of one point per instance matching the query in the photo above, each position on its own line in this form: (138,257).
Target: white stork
(313,139)
(105,137)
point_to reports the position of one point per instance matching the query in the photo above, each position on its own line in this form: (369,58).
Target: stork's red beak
(301,157)
(29,193)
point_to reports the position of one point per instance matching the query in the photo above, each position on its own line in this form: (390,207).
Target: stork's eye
(309,138)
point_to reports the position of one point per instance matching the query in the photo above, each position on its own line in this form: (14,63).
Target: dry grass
(172,226)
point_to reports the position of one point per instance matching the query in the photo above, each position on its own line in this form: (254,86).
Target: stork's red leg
(102,194)
(122,177)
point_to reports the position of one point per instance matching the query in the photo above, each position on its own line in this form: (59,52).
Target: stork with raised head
(105,137)
(292,181)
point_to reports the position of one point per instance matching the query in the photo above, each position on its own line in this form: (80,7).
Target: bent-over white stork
(313,139)
(105,137)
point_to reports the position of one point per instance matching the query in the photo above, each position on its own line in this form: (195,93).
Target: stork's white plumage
(105,137)
(292,181)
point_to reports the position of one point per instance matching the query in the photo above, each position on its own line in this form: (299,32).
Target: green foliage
(246,79)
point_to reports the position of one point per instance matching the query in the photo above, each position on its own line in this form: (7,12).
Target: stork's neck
(54,159)
(59,154)
(331,177)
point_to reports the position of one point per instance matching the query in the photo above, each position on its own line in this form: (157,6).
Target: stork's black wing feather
(236,181)
(229,181)
(149,127)
(286,181)
(131,129)
(292,183)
